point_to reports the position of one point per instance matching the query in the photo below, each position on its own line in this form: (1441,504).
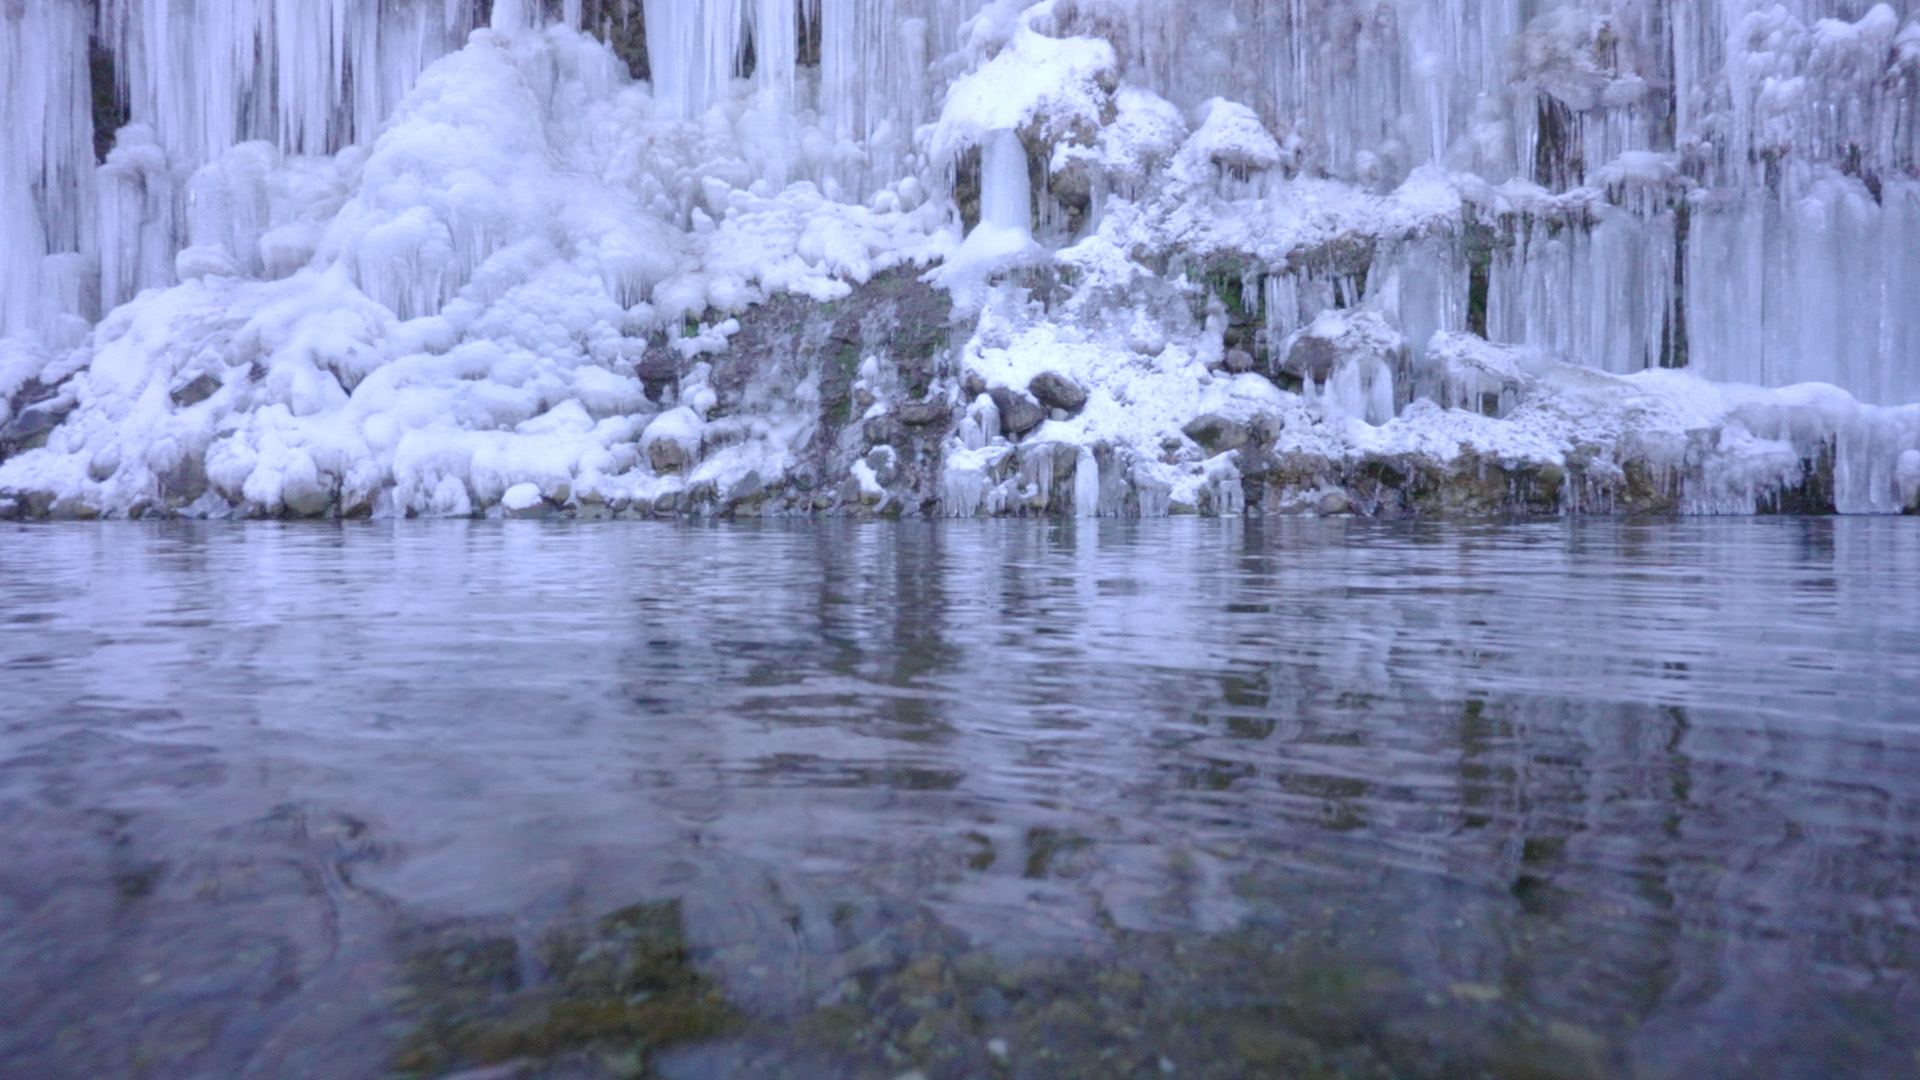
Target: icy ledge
(876,405)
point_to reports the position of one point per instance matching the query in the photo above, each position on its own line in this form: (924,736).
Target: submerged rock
(623,985)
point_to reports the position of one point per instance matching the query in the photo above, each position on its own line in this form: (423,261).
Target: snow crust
(386,261)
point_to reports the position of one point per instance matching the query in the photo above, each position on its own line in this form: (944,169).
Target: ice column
(875,89)
(696,48)
(1006,194)
(1086,485)
(46,154)
(512,14)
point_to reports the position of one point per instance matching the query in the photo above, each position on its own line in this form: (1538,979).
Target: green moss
(622,985)
(1227,276)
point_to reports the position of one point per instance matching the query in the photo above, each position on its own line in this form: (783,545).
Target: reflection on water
(1574,799)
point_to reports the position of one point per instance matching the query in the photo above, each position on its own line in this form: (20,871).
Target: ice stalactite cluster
(403,256)
(46,171)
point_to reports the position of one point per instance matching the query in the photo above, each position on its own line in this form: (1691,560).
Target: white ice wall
(1789,130)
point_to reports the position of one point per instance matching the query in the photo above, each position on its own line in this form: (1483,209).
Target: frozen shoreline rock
(855,408)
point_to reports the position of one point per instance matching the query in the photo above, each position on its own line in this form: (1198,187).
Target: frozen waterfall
(409,253)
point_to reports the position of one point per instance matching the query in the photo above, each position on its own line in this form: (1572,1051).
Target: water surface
(985,799)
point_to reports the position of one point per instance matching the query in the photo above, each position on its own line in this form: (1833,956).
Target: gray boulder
(1216,433)
(1019,413)
(195,392)
(1056,391)
(35,420)
(922,413)
(668,456)
(1311,358)
(305,497)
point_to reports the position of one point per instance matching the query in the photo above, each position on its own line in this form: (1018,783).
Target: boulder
(305,496)
(195,392)
(104,463)
(1019,413)
(668,456)
(1056,391)
(1215,433)
(35,420)
(658,370)
(672,440)
(185,480)
(524,501)
(747,488)
(884,430)
(922,413)
(1311,358)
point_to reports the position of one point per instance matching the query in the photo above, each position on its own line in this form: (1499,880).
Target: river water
(977,799)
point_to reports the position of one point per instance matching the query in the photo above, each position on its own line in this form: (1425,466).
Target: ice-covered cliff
(890,256)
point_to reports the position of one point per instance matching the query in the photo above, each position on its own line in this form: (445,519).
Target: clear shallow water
(1573,799)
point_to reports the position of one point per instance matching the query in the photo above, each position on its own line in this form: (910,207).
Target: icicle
(46,153)
(692,47)
(1086,484)
(1006,194)
(511,15)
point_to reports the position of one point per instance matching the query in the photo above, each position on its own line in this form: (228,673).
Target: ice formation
(407,257)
